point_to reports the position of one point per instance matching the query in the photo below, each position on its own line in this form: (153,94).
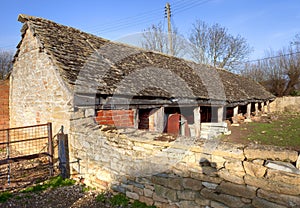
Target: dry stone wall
(155,169)
(285,104)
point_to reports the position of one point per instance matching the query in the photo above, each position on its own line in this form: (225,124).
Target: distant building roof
(114,68)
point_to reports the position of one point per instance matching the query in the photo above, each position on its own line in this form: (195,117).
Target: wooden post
(197,121)
(50,148)
(8,156)
(63,154)
(220,114)
(168,13)
(248,115)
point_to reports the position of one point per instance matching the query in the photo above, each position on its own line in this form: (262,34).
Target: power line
(271,57)
(139,19)
(146,17)
(8,47)
(182,4)
(127,21)
(192,4)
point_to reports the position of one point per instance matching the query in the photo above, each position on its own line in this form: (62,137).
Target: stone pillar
(262,107)
(159,120)
(136,118)
(220,114)
(235,111)
(197,121)
(256,108)
(248,115)
(268,106)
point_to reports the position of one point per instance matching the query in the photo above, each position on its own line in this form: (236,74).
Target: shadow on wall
(222,183)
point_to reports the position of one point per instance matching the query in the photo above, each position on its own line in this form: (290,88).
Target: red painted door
(173,126)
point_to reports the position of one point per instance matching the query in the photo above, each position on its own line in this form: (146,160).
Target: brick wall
(4,104)
(119,118)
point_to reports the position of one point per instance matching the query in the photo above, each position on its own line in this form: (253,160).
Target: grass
(52,183)
(120,200)
(138,204)
(285,131)
(5,196)
(101,197)
(115,200)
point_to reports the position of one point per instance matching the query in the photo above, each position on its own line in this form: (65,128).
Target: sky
(265,24)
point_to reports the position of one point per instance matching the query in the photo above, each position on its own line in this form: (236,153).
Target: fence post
(50,148)
(8,156)
(63,153)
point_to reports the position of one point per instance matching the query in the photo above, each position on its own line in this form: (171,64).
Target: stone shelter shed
(59,71)
(120,105)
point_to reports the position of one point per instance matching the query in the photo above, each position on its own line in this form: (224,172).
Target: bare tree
(199,39)
(279,72)
(213,45)
(296,41)
(290,64)
(155,39)
(6,58)
(254,71)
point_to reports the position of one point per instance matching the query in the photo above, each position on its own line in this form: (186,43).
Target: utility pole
(168,14)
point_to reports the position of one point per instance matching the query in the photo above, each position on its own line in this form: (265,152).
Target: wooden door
(173,125)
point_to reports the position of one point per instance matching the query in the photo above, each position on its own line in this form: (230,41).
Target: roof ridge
(24,17)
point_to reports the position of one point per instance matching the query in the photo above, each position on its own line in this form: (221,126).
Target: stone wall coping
(213,146)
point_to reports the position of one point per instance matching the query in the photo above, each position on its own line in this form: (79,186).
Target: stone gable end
(38,94)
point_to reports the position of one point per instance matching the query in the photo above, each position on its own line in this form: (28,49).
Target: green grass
(120,200)
(282,132)
(101,197)
(5,196)
(138,204)
(52,183)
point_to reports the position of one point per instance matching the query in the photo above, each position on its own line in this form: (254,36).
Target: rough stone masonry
(185,172)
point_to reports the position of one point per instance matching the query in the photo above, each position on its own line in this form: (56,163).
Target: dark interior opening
(144,118)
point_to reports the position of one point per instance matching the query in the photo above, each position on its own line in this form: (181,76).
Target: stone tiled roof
(91,64)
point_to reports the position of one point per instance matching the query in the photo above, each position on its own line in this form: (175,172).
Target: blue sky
(264,23)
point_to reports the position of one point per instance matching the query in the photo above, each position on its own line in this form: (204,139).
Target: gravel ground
(67,196)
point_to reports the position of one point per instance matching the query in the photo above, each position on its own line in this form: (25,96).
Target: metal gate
(26,155)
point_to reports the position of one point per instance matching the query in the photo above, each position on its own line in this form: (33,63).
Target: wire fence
(26,155)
